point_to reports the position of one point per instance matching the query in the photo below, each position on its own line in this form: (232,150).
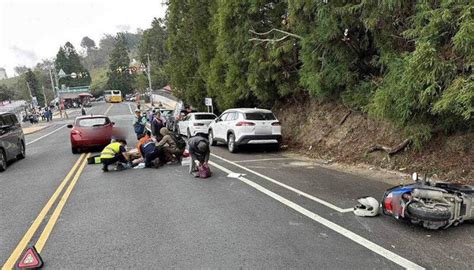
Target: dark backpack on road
(180,142)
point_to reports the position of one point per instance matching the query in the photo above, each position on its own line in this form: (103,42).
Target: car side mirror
(69,126)
(113,123)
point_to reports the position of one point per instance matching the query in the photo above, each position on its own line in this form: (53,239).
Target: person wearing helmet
(366,207)
(199,151)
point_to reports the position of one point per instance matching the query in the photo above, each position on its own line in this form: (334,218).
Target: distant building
(3,74)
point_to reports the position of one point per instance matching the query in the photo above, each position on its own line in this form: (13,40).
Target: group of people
(156,148)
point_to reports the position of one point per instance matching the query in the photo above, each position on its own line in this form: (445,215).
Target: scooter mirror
(414,176)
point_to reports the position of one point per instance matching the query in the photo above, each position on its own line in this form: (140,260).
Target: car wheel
(231,143)
(22,153)
(188,133)
(211,138)
(3,161)
(74,150)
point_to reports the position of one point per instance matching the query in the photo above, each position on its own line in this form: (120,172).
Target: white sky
(35,29)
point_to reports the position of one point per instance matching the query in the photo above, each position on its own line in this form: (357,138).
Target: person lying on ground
(199,151)
(114,153)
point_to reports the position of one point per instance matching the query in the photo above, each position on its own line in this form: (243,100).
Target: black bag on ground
(94,159)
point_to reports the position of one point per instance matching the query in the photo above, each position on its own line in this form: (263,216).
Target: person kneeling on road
(199,151)
(171,150)
(114,153)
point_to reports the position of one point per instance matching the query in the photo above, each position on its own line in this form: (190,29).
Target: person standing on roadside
(139,124)
(156,125)
(62,109)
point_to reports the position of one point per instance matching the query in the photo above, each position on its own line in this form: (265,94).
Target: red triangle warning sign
(31,259)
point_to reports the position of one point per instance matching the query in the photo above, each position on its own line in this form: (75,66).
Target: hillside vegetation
(409,62)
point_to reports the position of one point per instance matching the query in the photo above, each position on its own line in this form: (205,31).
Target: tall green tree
(34,86)
(119,77)
(69,61)
(153,45)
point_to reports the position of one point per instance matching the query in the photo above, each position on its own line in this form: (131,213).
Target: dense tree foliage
(69,61)
(119,77)
(153,45)
(407,61)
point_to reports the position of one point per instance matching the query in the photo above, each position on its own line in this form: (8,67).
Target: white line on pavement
(263,159)
(320,201)
(108,109)
(329,224)
(46,135)
(130,109)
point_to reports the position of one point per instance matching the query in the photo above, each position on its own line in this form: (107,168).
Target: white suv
(245,126)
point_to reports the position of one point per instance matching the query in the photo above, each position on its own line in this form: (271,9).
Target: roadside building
(3,74)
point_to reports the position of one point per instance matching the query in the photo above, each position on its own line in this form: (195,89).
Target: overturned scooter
(432,205)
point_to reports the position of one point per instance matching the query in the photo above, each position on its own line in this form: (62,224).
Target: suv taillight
(244,124)
(276,124)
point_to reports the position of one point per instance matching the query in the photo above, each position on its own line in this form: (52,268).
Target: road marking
(108,109)
(10,263)
(54,217)
(130,109)
(297,191)
(329,224)
(263,159)
(46,135)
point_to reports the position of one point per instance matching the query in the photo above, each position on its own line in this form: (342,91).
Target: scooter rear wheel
(437,213)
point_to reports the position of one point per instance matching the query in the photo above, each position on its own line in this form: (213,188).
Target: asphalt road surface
(281,212)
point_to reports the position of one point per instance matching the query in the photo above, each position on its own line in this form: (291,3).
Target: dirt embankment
(327,131)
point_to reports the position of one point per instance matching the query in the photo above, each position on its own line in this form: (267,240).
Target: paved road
(284,213)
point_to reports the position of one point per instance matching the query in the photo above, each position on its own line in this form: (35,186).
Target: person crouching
(199,151)
(114,153)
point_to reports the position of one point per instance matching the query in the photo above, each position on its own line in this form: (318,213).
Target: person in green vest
(114,153)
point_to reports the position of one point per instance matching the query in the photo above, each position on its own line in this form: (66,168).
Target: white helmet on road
(366,207)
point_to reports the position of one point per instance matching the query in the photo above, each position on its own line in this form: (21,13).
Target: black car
(12,140)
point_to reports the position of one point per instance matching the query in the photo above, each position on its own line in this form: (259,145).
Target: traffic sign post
(208,103)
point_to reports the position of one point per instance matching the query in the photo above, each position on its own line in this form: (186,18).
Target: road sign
(31,259)
(34,102)
(208,101)
(61,73)
(73,75)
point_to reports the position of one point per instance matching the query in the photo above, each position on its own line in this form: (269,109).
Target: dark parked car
(12,140)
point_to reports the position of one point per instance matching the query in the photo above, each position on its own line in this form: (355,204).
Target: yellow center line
(9,264)
(54,217)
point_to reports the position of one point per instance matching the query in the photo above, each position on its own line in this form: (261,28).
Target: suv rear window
(93,122)
(204,117)
(116,92)
(259,116)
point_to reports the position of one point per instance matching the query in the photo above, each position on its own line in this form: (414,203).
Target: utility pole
(44,96)
(149,78)
(52,83)
(148,71)
(29,90)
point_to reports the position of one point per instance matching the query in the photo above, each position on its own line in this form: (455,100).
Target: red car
(90,131)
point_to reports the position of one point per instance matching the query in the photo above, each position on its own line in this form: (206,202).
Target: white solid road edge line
(46,135)
(329,224)
(304,194)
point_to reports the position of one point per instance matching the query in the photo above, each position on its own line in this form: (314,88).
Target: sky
(34,30)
